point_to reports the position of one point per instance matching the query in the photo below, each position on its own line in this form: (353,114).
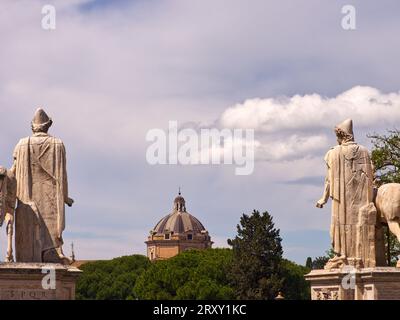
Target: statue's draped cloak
(3,195)
(42,189)
(350,176)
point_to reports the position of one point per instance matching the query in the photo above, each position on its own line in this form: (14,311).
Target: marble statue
(8,189)
(42,191)
(358,270)
(388,205)
(356,233)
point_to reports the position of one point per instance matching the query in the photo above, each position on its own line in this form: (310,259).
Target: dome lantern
(179,203)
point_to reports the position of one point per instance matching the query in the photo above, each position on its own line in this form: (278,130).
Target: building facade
(177,232)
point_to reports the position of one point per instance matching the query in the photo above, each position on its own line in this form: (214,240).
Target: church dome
(177,232)
(179,221)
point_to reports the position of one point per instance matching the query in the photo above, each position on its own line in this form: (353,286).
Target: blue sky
(112,70)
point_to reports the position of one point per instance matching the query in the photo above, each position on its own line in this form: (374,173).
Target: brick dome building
(177,232)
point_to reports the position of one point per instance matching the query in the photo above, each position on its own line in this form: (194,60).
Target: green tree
(386,159)
(294,286)
(193,274)
(309,263)
(320,262)
(111,280)
(257,257)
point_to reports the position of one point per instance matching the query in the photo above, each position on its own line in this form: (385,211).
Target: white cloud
(297,126)
(290,147)
(368,106)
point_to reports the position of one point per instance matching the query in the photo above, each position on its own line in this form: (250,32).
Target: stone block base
(37,281)
(380,283)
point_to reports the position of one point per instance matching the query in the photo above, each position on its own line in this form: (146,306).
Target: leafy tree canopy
(253,269)
(294,286)
(257,250)
(111,280)
(193,274)
(386,156)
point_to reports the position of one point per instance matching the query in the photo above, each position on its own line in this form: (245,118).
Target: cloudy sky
(113,70)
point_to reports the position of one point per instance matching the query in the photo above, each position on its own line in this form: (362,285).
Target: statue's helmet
(41,121)
(345,128)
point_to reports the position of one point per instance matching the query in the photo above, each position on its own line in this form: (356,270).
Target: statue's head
(41,121)
(344,131)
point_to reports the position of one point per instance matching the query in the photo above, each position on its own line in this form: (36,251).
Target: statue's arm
(321,202)
(67,200)
(327,185)
(12,169)
(325,196)
(11,194)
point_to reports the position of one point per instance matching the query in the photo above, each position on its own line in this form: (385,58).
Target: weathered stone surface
(37,182)
(23,281)
(354,273)
(356,232)
(388,206)
(8,190)
(380,283)
(42,192)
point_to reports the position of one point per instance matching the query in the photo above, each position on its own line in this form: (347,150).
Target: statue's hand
(320,203)
(70,202)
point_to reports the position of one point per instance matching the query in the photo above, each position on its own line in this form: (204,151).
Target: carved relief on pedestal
(325,293)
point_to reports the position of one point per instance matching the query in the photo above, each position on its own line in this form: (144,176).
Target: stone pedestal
(380,283)
(37,281)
